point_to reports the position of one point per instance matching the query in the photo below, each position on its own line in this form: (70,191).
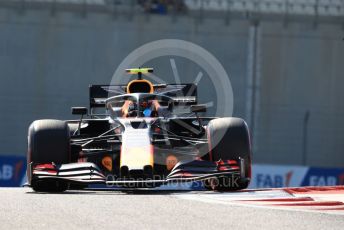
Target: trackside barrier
(277,176)
(12,171)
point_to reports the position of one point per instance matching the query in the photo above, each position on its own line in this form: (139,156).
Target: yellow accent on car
(139,70)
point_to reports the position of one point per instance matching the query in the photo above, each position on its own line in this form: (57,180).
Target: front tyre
(48,142)
(229,139)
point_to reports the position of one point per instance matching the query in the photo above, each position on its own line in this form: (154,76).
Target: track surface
(21,208)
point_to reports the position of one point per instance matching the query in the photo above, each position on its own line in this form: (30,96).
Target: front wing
(89,173)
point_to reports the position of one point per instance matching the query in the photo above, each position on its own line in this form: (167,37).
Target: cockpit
(139,105)
(140,99)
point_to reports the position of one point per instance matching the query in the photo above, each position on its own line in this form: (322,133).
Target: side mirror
(79,110)
(198,108)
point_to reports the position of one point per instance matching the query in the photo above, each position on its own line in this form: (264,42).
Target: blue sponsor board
(323,177)
(277,176)
(12,171)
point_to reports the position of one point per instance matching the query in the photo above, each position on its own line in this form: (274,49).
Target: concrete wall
(301,70)
(47,63)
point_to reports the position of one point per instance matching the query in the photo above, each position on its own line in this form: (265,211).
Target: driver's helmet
(146,108)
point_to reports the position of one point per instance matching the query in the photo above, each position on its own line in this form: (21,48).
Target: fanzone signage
(12,171)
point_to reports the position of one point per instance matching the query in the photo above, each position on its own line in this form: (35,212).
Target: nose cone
(137,151)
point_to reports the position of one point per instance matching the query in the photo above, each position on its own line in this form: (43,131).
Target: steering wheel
(132,113)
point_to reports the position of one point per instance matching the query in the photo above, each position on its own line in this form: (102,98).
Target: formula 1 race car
(139,135)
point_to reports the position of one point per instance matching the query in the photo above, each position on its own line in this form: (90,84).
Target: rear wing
(185,94)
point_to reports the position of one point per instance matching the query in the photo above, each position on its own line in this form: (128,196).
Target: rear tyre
(229,139)
(48,141)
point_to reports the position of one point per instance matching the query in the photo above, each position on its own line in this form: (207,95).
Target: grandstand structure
(331,11)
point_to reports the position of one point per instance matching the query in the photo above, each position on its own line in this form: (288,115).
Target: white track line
(243,199)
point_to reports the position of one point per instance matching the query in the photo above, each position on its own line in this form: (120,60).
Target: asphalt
(20,208)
